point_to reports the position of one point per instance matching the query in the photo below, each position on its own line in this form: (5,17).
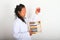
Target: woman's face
(22,12)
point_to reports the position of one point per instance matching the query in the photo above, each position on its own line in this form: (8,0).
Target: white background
(50,17)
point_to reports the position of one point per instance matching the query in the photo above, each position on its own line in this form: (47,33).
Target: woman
(21,31)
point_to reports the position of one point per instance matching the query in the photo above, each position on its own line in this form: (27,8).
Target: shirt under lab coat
(20,31)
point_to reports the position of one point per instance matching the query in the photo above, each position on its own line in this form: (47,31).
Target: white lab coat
(20,30)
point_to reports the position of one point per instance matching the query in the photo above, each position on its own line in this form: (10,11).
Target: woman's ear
(18,11)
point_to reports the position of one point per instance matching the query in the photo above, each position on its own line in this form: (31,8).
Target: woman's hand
(30,32)
(37,10)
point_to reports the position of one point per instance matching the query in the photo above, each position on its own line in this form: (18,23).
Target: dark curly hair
(19,8)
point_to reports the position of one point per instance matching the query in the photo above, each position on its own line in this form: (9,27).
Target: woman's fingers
(30,32)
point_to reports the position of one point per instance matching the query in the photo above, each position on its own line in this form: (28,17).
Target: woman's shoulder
(17,21)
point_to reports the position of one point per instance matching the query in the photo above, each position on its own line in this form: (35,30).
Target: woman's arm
(16,30)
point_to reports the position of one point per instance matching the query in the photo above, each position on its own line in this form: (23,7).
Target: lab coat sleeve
(16,30)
